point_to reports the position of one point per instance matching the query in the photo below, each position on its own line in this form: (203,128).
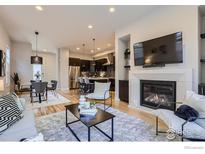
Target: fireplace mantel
(187,73)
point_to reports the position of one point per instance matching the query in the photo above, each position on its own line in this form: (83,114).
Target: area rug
(126,128)
(52,100)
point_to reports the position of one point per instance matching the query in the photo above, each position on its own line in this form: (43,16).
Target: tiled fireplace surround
(183,78)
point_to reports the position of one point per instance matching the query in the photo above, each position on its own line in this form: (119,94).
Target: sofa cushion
(195,100)
(9,112)
(24,128)
(201,122)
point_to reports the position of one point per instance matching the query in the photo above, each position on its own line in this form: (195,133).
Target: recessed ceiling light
(112,9)
(90,26)
(91,51)
(98,49)
(77,48)
(39,8)
(44,50)
(108,44)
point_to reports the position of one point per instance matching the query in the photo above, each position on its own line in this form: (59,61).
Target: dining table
(34,94)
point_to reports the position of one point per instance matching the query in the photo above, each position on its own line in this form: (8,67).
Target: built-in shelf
(203,36)
(127,66)
(202,60)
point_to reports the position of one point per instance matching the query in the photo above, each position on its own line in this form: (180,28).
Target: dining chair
(53,87)
(40,89)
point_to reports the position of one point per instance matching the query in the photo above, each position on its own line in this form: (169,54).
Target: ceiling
(67,26)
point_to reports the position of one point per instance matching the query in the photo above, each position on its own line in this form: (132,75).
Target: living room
(117,73)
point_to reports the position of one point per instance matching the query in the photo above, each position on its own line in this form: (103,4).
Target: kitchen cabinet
(112,86)
(85,66)
(124,90)
(99,65)
(74,61)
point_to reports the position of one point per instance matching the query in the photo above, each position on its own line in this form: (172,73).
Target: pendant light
(36,59)
(94,45)
(93,63)
(84,47)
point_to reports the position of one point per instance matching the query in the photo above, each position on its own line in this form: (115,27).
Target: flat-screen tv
(162,50)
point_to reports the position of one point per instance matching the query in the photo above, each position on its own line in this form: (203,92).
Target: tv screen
(162,50)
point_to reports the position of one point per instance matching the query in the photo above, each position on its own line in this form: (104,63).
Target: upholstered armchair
(187,129)
(101,93)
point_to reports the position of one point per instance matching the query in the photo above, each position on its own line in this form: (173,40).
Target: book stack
(88,111)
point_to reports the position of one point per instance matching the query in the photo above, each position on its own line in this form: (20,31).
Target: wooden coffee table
(101,116)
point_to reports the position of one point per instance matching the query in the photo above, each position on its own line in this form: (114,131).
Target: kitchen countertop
(100,78)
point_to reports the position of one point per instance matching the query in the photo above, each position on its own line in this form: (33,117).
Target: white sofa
(24,128)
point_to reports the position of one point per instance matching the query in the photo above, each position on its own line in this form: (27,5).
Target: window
(37,71)
(7,54)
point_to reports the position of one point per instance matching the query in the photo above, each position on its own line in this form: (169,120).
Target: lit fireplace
(154,93)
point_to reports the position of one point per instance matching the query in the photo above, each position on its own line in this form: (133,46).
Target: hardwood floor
(121,106)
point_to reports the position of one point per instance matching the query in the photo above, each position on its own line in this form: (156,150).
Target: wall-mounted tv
(163,50)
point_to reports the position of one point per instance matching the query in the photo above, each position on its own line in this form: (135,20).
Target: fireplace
(154,92)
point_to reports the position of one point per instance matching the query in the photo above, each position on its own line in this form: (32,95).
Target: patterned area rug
(126,128)
(52,100)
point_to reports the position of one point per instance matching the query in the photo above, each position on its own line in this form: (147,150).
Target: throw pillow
(18,101)
(9,112)
(187,113)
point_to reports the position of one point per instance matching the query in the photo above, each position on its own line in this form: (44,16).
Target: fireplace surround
(154,92)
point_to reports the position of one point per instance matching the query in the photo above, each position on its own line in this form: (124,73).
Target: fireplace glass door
(154,93)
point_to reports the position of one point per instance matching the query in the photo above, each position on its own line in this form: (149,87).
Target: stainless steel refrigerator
(74,73)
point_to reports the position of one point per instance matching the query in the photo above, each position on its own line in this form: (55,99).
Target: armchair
(101,93)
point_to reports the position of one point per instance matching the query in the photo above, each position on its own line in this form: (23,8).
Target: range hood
(109,58)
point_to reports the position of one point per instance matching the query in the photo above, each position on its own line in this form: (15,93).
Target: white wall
(21,62)
(164,21)
(4,43)
(49,66)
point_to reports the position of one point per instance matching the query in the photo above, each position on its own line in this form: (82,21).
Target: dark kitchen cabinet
(85,66)
(99,65)
(74,62)
(112,86)
(124,90)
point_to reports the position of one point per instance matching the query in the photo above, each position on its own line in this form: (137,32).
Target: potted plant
(16,81)
(37,75)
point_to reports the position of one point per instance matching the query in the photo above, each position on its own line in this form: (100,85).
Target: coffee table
(101,116)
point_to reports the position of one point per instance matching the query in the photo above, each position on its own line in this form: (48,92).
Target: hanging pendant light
(93,63)
(36,59)
(94,45)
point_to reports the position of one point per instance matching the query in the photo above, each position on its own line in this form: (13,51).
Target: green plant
(37,75)
(16,78)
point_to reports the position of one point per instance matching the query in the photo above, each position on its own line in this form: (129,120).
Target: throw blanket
(187,113)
